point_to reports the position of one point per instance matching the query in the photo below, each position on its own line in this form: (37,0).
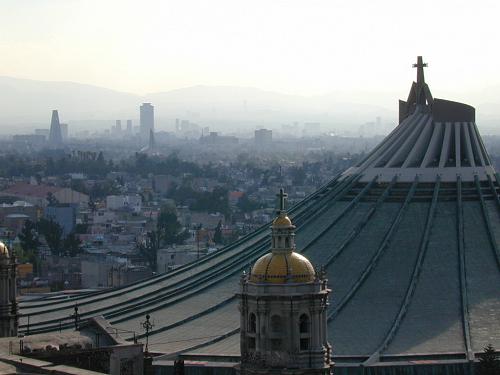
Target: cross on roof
(282,196)
(420,65)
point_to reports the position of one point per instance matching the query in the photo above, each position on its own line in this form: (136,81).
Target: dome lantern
(282,264)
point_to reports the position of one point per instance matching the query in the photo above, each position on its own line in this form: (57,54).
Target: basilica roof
(409,241)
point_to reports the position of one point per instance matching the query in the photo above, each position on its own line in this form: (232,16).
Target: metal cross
(420,65)
(282,196)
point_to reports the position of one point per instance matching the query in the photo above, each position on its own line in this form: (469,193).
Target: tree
(168,227)
(52,199)
(218,233)
(489,364)
(149,248)
(72,245)
(52,232)
(29,237)
(245,204)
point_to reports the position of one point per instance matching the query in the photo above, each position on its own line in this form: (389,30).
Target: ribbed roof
(436,137)
(412,259)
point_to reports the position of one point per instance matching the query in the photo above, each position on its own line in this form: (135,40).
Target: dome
(282,221)
(282,268)
(4,251)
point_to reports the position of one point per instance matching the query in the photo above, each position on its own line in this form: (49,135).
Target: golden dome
(282,221)
(4,251)
(282,268)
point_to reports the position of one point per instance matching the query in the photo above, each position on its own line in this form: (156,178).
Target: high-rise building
(147,119)
(129,126)
(55,136)
(118,126)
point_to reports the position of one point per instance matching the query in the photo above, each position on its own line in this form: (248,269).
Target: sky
(307,47)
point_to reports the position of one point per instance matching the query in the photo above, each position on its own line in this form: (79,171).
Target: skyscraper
(129,126)
(55,135)
(147,119)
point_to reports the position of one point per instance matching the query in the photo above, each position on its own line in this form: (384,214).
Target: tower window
(251,343)
(276,325)
(304,344)
(304,323)
(287,242)
(252,323)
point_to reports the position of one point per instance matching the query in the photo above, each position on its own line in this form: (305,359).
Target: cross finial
(282,196)
(420,65)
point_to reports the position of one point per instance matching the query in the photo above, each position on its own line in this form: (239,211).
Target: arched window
(304,329)
(252,323)
(304,323)
(276,325)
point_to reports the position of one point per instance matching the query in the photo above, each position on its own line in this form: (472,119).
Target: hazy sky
(298,47)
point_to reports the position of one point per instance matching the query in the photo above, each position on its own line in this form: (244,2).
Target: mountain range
(26,104)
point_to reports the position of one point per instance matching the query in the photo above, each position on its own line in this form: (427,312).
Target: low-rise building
(124,202)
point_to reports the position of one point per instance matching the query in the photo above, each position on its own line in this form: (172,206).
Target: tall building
(147,119)
(283,310)
(8,304)
(150,149)
(55,135)
(409,238)
(129,127)
(118,126)
(263,138)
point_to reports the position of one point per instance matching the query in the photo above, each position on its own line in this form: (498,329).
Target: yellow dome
(282,268)
(282,221)
(4,251)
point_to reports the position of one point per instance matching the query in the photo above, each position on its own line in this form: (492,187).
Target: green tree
(168,227)
(72,245)
(51,199)
(52,232)
(245,204)
(149,248)
(218,233)
(29,237)
(489,364)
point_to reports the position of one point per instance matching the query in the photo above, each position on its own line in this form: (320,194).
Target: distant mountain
(23,100)
(24,103)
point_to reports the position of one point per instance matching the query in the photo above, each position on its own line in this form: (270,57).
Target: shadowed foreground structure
(408,238)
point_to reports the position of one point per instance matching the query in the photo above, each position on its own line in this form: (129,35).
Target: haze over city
(334,61)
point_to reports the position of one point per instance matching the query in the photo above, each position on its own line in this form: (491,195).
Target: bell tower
(8,304)
(283,304)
